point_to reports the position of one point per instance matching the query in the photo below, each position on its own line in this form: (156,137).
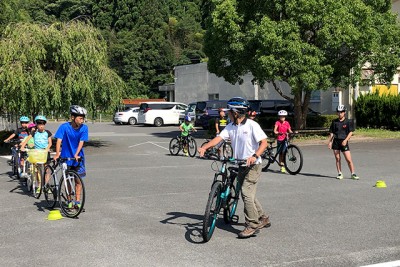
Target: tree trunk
(301,108)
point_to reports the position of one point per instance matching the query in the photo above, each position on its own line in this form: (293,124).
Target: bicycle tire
(231,204)
(266,161)
(293,159)
(192,147)
(174,146)
(212,210)
(227,150)
(14,165)
(49,188)
(208,153)
(38,184)
(64,198)
(28,182)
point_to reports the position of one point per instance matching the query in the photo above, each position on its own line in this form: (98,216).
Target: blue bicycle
(224,194)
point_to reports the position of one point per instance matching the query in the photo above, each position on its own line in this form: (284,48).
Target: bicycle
(15,161)
(213,152)
(37,159)
(65,186)
(224,194)
(179,143)
(293,158)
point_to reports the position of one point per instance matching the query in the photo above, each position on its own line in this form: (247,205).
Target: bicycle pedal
(235,218)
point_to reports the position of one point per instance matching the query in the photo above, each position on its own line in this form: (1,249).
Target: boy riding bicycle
(281,129)
(185,128)
(41,138)
(72,135)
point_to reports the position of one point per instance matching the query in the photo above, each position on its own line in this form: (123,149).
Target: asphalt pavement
(145,208)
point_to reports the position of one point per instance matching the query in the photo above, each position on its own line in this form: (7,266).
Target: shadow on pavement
(97,143)
(194,230)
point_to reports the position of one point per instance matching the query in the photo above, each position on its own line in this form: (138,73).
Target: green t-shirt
(186,128)
(31,142)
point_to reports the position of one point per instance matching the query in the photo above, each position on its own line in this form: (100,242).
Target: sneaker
(354,176)
(339,176)
(70,205)
(38,190)
(186,154)
(283,169)
(264,222)
(247,232)
(78,204)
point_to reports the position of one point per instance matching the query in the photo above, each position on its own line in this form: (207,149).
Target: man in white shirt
(248,142)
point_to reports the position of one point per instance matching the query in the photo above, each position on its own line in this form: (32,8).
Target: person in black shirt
(340,132)
(220,123)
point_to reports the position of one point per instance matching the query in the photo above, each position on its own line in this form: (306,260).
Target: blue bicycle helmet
(187,118)
(24,119)
(40,118)
(238,104)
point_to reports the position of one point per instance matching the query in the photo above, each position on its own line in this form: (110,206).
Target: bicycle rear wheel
(231,204)
(293,159)
(266,161)
(212,211)
(227,150)
(49,187)
(192,147)
(71,194)
(174,146)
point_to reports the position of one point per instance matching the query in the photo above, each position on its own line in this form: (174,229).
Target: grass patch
(377,133)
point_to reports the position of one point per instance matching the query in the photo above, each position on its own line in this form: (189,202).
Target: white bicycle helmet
(282,113)
(341,108)
(77,110)
(238,104)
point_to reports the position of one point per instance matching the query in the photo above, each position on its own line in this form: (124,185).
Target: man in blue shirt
(70,139)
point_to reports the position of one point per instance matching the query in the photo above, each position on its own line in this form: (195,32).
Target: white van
(160,113)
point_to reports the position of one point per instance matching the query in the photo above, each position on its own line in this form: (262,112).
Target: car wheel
(132,121)
(158,122)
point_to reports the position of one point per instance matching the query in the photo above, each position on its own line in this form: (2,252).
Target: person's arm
(58,148)
(78,150)
(50,143)
(331,136)
(180,128)
(261,148)
(212,143)
(347,138)
(276,129)
(10,137)
(23,144)
(216,126)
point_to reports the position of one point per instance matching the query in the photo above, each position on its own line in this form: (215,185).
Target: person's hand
(23,149)
(201,151)
(330,145)
(251,161)
(56,157)
(77,157)
(344,143)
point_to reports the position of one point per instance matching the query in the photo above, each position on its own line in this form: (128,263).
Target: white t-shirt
(245,138)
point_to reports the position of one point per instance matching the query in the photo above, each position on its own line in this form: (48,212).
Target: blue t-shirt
(41,139)
(70,139)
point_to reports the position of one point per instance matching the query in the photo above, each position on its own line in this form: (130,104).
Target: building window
(213,96)
(315,96)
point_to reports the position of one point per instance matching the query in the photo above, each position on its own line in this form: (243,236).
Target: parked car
(127,116)
(191,111)
(207,110)
(271,107)
(160,113)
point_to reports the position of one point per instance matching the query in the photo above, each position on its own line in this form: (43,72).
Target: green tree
(48,68)
(309,44)
(12,11)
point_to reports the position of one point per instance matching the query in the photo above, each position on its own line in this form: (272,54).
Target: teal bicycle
(224,194)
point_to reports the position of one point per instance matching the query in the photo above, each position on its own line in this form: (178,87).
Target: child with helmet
(20,132)
(281,129)
(41,138)
(185,128)
(340,132)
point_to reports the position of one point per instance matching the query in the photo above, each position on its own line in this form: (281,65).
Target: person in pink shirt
(281,129)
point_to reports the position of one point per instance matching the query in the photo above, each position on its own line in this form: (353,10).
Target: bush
(375,111)
(5,148)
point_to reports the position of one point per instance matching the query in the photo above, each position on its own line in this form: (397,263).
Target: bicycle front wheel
(192,147)
(49,187)
(227,150)
(71,194)
(212,211)
(231,204)
(174,146)
(293,159)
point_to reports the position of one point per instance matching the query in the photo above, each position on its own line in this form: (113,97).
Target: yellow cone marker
(380,184)
(54,215)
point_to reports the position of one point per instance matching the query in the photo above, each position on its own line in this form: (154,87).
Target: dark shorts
(281,146)
(337,145)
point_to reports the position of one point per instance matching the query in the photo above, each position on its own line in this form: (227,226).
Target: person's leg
(347,156)
(251,210)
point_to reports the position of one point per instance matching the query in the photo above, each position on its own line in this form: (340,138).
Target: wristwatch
(255,155)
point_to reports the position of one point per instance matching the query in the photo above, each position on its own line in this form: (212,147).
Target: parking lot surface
(145,208)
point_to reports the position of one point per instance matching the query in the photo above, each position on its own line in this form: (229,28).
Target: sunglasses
(40,122)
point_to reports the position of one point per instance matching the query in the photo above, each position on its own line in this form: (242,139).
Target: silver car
(128,116)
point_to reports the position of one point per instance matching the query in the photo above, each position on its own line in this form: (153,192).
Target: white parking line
(152,143)
(385,264)
(159,145)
